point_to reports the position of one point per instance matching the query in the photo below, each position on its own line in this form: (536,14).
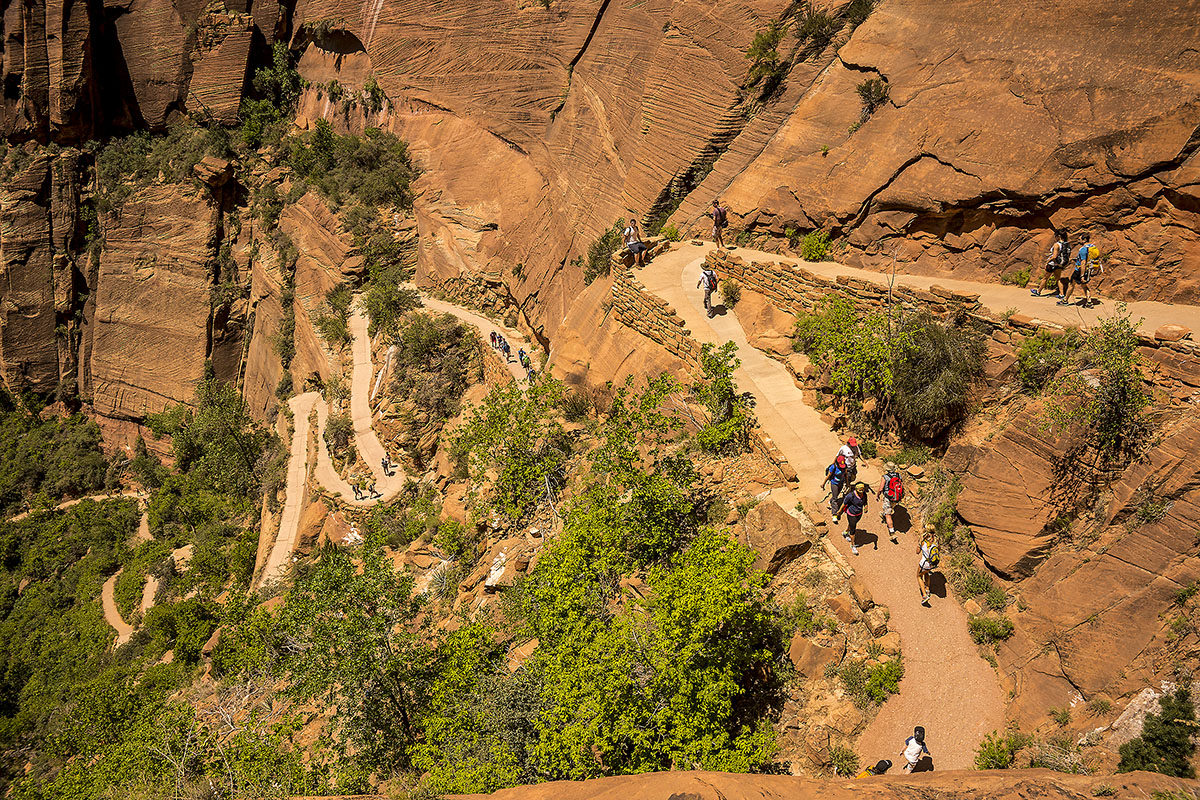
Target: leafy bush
(731,292)
(997,598)
(1165,744)
(730,415)
(766,67)
(873,684)
(844,761)
(1017,277)
(127,162)
(913,454)
(869,448)
(1041,356)
(988,629)
(975,582)
(856,347)
(1186,593)
(1114,397)
(600,252)
(814,246)
(373,169)
(999,750)
(935,367)
(1061,716)
(873,93)
(277,88)
(48,459)
(671,232)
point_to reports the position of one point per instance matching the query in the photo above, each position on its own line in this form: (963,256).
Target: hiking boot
(1035,293)
(854,549)
(1062,303)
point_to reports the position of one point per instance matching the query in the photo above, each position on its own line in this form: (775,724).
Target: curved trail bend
(363,381)
(947,687)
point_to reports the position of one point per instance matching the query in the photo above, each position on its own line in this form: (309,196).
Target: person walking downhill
(852,453)
(853,506)
(880,768)
(835,476)
(930,557)
(494,338)
(915,749)
(708,281)
(1081,275)
(889,494)
(632,237)
(506,349)
(1056,262)
(720,219)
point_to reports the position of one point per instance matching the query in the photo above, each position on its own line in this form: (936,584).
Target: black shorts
(1078,277)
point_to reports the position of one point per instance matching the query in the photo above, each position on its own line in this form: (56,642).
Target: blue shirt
(854,503)
(1081,256)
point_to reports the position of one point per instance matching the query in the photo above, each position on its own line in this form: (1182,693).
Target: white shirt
(851,453)
(913,750)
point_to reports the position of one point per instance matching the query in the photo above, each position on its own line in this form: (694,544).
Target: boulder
(776,535)
(1172,333)
(876,621)
(810,658)
(890,642)
(842,607)
(767,327)
(861,594)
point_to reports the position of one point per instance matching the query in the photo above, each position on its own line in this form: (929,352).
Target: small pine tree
(1165,745)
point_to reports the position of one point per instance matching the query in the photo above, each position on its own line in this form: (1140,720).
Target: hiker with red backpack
(708,282)
(889,494)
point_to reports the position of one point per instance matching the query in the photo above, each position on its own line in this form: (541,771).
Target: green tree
(352,639)
(730,414)
(1165,745)
(1106,394)
(767,68)
(217,438)
(858,348)
(933,372)
(515,433)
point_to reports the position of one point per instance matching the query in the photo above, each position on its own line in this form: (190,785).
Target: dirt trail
(363,380)
(947,687)
(98,498)
(111,615)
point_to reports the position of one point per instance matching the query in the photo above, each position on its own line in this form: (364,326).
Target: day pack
(1064,254)
(710,281)
(894,488)
(935,554)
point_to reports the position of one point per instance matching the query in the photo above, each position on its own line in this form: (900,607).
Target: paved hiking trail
(364,383)
(947,687)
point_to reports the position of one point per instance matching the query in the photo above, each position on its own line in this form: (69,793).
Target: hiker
(632,238)
(853,506)
(835,476)
(931,556)
(1056,262)
(386,465)
(852,453)
(1087,264)
(523,358)
(915,749)
(494,338)
(708,281)
(880,768)
(889,494)
(357,489)
(720,219)
(506,349)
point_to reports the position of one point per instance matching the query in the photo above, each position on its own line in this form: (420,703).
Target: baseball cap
(852,442)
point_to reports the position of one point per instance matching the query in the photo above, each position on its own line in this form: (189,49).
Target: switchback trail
(947,687)
(363,381)
(111,615)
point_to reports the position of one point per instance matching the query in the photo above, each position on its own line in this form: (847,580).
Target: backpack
(935,554)
(710,280)
(1064,254)
(1093,253)
(894,488)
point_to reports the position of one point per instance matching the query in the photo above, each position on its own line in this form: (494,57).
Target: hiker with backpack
(931,556)
(915,749)
(880,768)
(852,453)
(835,476)
(854,505)
(1087,266)
(708,281)
(720,219)
(1056,262)
(889,494)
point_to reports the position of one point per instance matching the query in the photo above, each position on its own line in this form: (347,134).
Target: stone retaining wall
(1172,363)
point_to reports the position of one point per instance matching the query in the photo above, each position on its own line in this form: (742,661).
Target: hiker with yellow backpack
(1088,266)
(931,556)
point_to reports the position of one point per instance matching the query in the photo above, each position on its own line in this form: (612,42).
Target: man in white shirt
(915,749)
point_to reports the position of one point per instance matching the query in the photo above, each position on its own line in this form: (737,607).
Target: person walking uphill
(1056,262)
(930,557)
(889,494)
(835,476)
(720,219)
(708,281)
(853,506)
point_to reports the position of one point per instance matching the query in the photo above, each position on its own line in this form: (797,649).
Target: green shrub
(857,11)
(731,292)
(936,364)
(1099,706)
(671,232)
(884,680)
(600,252)
(339,430)
(452,538)
(815,29)
(997,598)
(1061,716)
(1165,744)
(1187,593)
(1041,356)
(1017,277)
(814,246)
(869,448)
(999,750)
(913,454)
(975,582)
(1103,790)
(844,761)
(988,629)
(767,68)
(873,93)
(730,415)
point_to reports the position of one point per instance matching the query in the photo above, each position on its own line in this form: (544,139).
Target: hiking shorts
(885,505)
(637,247)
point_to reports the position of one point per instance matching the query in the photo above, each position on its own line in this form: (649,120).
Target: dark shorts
(1078,277)
(637,247)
